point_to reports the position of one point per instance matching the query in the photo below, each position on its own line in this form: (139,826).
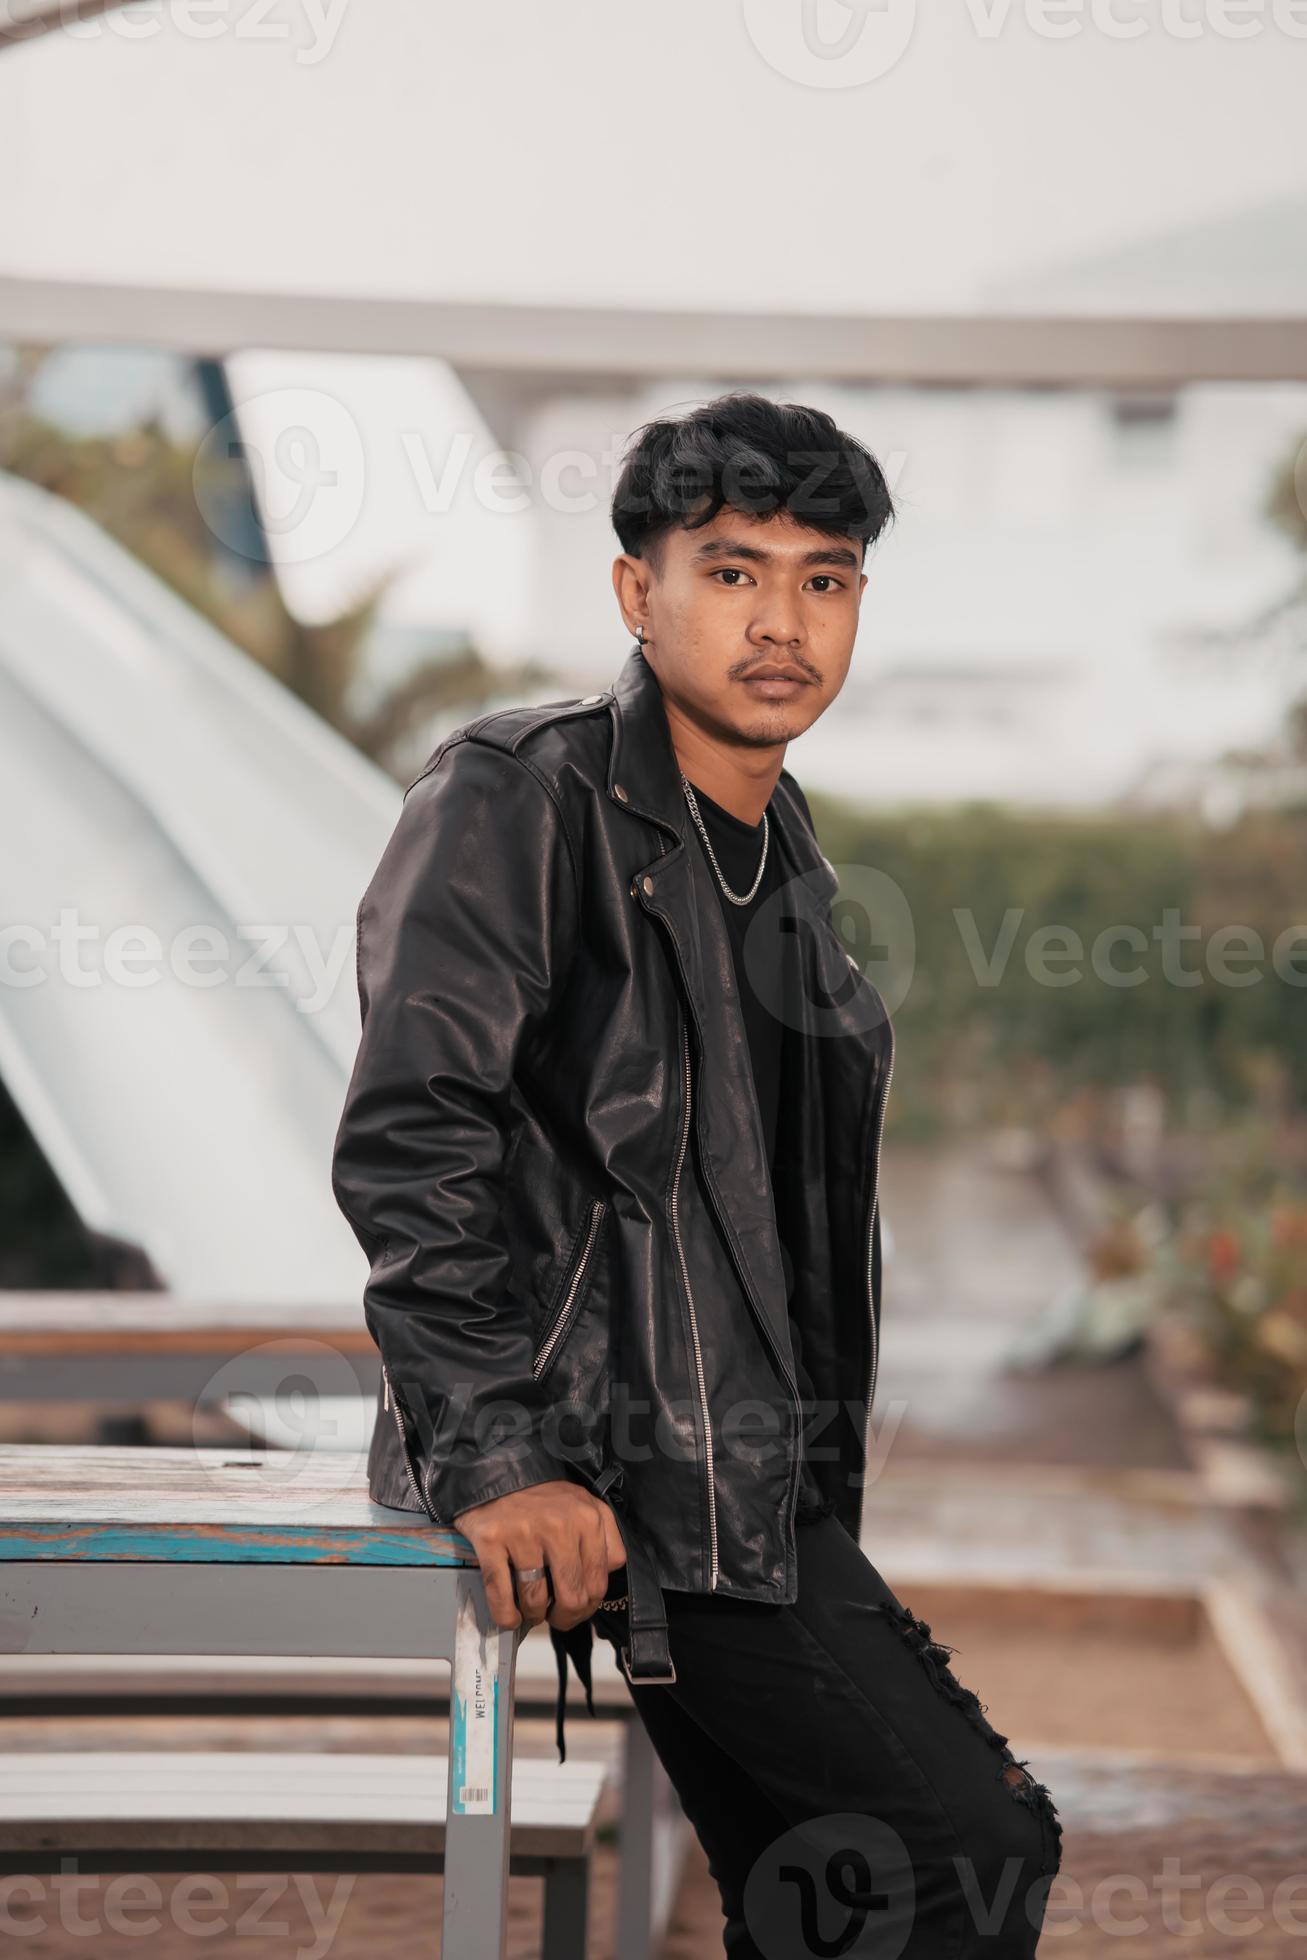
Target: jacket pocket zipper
(392,1403)
(567,1310)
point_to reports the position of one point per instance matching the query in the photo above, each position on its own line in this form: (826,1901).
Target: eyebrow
(736,548)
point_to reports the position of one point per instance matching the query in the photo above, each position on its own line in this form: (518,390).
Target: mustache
(798,666)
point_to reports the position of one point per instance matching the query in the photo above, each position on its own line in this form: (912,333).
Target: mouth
(776,683)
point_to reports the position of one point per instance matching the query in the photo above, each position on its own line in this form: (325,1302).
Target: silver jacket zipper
(567,1311)
(689,1296)
(392,1403)
(871,1221)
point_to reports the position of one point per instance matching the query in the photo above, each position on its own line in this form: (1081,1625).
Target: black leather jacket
(551,1151)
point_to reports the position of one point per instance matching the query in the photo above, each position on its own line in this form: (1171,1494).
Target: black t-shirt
(738,847)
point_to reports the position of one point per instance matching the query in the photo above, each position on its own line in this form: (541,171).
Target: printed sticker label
(474,1717)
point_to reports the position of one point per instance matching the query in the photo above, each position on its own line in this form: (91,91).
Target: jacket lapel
(676,886)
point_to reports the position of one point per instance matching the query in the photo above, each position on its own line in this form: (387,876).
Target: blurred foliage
(1236,1269)
(1278,632)
(1011,1044)
(140,487)
(1286,497)
(1284,624)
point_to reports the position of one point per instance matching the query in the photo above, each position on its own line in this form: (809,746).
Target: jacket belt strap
(646,1654)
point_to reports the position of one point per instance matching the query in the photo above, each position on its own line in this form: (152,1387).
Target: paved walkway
(977,1253)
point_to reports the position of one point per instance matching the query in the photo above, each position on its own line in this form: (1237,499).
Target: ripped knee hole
(934,1656)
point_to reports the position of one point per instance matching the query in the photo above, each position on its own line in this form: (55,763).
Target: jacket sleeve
(464,933)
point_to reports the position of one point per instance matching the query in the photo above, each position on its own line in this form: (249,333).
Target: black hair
(743,452)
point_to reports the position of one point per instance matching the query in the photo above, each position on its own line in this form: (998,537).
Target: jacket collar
(644,777)
(643,773)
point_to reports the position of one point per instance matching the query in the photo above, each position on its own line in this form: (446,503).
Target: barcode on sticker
(474,1713)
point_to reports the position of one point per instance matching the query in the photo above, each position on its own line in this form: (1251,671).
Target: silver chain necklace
(736,898)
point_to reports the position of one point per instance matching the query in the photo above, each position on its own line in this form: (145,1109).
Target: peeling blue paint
(229,1545)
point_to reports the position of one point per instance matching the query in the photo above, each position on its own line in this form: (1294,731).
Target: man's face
(743,598)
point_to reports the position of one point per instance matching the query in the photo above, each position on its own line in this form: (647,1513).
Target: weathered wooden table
(306,1361)
(208,1552)
(134,1347)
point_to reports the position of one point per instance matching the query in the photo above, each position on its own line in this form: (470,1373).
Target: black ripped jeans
(849,1792)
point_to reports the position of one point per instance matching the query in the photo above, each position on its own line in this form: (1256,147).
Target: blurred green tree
(139,486)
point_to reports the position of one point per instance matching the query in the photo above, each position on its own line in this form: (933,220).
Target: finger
(533,1594)
(571,1604)
(612,1530)
(594,1558)
(493,1560)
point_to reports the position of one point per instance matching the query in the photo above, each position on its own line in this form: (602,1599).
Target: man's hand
(558,1524)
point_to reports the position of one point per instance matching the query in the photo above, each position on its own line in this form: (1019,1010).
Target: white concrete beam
(611,345)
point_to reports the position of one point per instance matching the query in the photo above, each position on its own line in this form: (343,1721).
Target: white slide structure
(182,1062)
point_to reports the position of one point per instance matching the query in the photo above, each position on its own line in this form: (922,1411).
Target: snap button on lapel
(647,884)
(619,792)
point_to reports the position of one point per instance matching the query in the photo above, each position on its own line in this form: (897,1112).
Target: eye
(830,580)
(731,571)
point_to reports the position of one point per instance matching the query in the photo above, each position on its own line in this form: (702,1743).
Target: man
(612,1145)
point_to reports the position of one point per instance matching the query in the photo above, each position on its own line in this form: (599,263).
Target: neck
(740,779)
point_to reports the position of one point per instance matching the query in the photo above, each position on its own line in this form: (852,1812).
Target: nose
(778,624)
